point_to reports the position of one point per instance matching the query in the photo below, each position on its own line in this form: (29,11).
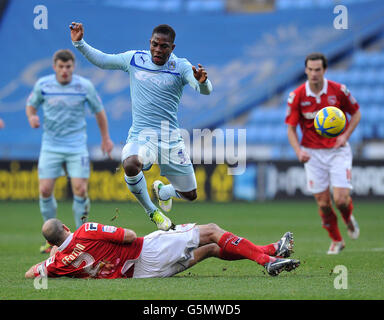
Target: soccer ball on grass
(330,122)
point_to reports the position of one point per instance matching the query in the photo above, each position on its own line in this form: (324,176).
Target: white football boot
(336,247)
(353,228)
(166,205)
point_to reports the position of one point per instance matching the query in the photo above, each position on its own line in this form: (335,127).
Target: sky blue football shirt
(155,90)
(64,112)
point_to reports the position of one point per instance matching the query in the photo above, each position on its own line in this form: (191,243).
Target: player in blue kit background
(63,96)
(157,79)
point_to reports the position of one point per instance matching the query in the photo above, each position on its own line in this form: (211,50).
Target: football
(330,122)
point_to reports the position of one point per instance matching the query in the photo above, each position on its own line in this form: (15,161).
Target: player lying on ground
(157,78)
(99,251)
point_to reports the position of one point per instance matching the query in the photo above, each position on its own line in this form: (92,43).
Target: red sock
(330,224)
(269,249)
(346,212)
(235,248)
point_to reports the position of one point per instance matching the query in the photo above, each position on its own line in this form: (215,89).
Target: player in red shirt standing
(327,161)
(99,251)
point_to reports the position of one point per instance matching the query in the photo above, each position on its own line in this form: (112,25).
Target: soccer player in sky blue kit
(157,79)
(63,97)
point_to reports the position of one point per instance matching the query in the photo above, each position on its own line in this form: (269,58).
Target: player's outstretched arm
(98,58)
(129,236)
(30,273)
(204,86)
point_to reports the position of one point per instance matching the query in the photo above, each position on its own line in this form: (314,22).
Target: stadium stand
(248,70)
(364,78)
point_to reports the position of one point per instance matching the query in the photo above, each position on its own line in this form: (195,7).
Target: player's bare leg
(203,252)
(344,203)
(329,221)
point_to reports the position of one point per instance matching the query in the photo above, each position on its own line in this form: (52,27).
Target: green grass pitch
(212,279)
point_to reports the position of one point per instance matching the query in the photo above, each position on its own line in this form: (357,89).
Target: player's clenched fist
(77,31)
(200,73)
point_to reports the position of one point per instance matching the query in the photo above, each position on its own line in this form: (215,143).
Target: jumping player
(157,78)
(327,161)
(99,251)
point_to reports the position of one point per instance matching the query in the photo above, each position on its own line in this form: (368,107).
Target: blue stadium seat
(357,135)
(252,135)
(354,77)
(363,95)
(368,130)
(380,131)
(370,77)
(360,60)
(380,77)
(256,116)
(378,95)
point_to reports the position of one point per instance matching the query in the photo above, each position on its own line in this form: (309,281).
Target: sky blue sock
(80,209)
(168,191)
(138,186)
(48,207)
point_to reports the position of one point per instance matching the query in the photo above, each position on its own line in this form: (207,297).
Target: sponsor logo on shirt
(306,103)
(91,226)
(110,229)
(309,115)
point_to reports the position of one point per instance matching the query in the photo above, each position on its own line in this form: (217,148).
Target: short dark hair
(165,29)
(317,56)
(63,55)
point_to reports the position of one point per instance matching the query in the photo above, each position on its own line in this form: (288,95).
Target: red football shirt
(303,106)
(94,250)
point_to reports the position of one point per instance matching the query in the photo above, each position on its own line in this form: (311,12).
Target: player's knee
(326,209)
(341,202)
(132,166)
(80,190)
(45,191)
(214,230)
(190,195)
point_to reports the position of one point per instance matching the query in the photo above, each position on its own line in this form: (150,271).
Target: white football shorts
(173,160)
(166,253)
(328,167)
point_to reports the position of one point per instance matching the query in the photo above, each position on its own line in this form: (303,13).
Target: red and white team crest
(332,100)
